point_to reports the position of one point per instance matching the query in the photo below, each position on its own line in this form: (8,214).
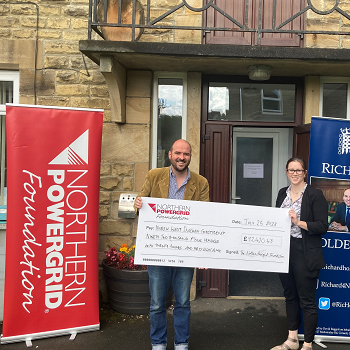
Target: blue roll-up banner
(329,170)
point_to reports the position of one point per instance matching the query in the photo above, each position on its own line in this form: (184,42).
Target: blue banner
(329,170)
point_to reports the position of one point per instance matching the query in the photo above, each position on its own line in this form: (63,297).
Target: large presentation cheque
(213,235)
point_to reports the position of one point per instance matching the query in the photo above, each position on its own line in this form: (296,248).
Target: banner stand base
(27,338)
(319,339)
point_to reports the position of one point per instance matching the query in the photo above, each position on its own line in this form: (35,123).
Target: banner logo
(344,141)
(76,153)
(324,303)
(153,207)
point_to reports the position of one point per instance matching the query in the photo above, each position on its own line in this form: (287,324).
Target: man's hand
(138,203)
(337,227)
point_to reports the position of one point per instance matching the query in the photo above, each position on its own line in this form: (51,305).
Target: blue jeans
(159,281)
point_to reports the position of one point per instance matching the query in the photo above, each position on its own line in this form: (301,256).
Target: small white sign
(213,235)
(253,171)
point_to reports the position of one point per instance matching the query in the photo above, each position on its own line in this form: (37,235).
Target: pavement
(220,324)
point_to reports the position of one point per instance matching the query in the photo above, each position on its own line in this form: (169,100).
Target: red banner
(51,274)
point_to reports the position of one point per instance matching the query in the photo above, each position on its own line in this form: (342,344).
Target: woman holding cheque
(308,212)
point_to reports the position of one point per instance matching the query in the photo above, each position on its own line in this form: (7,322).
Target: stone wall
(181,17)
(62,76)
(311,98)
(125,160)
(333,21)
(50,57)
(65,79)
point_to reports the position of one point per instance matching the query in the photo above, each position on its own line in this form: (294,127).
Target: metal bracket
(201,284)
(205,137)
(205,32)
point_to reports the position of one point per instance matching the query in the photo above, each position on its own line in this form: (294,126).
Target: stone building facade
(41,41)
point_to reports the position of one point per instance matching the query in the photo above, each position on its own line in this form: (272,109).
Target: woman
(308,212)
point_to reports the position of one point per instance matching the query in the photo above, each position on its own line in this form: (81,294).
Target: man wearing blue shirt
(341,219)
(174,182)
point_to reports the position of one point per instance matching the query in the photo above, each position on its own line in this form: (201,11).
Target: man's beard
(174,165)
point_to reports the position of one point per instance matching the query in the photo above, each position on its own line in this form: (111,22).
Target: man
(341,219)
(174,182)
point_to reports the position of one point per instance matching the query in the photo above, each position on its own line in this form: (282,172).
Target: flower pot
(128,290)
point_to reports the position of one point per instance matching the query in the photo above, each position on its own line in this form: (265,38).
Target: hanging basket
(128,290)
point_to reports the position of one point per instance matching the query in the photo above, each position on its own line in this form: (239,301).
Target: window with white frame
(169,114)
(9,93)
(335,97)
(271,101)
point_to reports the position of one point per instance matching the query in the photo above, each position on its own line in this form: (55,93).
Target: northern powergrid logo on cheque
(171,211)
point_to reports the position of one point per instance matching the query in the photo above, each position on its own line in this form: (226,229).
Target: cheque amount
(261,240)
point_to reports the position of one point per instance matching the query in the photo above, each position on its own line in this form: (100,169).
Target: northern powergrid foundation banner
(329,170)
(51,273)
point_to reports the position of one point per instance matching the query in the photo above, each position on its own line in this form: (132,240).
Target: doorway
(236,108)
(259,156)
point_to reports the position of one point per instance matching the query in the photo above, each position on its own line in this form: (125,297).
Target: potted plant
(127,283)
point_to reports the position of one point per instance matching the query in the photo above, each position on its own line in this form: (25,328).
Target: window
(335,97)
(9,93)
(251,102)
(169,114)
(271,101)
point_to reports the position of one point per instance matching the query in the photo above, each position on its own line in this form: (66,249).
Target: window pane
(335,100)
(3,169)
(6,92)
(251,102)
(170,100)
(271,101)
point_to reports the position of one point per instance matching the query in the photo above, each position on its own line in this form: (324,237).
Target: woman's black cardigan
(314,211)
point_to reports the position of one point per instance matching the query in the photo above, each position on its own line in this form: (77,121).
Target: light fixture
(259,72)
